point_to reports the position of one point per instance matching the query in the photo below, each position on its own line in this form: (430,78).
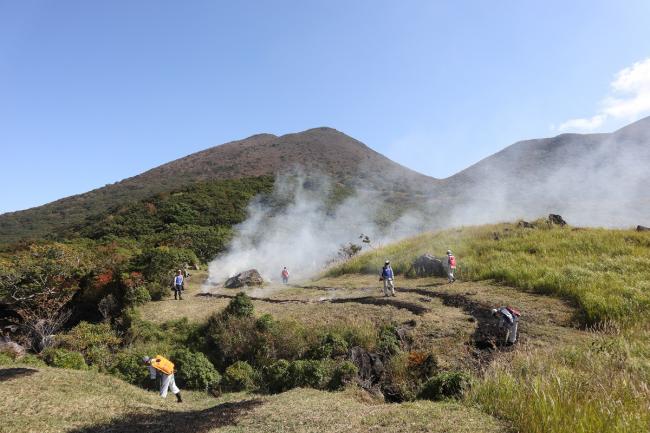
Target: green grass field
(598,385)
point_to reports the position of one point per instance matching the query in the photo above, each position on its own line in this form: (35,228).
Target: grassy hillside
(605,272)
(601,384)
(48,400)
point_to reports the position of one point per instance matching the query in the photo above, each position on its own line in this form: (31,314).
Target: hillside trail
(452,320)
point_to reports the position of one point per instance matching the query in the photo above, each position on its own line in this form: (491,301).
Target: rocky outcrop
(247,278)
(642,229)
(370,365)
(556,219)
(428,266)
(525,224)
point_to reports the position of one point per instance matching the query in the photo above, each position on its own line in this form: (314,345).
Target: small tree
(38,284)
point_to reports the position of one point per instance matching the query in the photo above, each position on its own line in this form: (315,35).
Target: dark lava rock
(247,278)
(556,219)
(370,365)
(642,229)
(428,266)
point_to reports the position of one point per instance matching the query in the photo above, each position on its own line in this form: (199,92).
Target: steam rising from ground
(591,180)
(296,228)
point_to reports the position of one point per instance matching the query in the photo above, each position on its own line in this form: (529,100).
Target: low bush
(96,342)
(157,291)
(276,377)
(194,370)
(388,340)
(138,295)
(240,306)
(331,345)
(128,366)
(343,374)
(240,376)
(62,358)
(31,360)
(310,373)
(446,384)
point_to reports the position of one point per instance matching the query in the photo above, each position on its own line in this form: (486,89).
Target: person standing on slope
(387,278)
(508,319)
(163,368)
(285,275)
(179,285)
(451,266)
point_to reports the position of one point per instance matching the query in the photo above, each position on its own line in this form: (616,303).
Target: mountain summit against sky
(324,150)
(598,176)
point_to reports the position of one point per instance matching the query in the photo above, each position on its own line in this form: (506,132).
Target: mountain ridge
(523,166)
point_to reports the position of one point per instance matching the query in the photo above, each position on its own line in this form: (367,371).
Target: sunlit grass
(606,272)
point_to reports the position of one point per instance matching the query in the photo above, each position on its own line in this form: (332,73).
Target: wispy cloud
(629,99)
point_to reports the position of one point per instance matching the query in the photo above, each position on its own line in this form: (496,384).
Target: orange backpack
(162,364)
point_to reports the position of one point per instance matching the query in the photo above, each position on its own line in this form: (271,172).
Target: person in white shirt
(178,285)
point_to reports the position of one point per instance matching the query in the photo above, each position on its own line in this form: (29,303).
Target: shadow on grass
(15,373)
(196,421)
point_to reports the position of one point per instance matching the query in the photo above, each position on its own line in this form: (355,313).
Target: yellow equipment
(162,364)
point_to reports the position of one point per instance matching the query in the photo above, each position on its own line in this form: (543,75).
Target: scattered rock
(556,219)
(642,229)
(12,348)
(525,224)
(247,278)
(428,266)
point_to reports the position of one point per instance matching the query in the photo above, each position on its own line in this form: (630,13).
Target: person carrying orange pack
(162,367)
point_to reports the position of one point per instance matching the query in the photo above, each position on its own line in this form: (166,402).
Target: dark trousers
(178,289)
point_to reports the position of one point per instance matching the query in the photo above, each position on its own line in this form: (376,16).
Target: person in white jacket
(164,369)
(509,320)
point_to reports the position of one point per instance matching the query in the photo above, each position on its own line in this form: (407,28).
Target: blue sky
(92,92)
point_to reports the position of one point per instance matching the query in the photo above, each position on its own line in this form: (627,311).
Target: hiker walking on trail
(451,266)
(179,285)
(387,278)
(508,319)
(285,275)
(163,368)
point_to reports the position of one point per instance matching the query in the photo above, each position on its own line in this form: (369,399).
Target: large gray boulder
(642,229)
(428,266)
(247,278)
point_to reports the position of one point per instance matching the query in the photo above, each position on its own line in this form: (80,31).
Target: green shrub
(96,342)
(276,376)
(310,373)
(240,306)
(447,384)
(264,322)
(330,346)
(31,360)
(194,370)
(343,373)
(62,358)
(388,340)
(240,376)
(138,295)
(233,338)
(129,367)
(157,291)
